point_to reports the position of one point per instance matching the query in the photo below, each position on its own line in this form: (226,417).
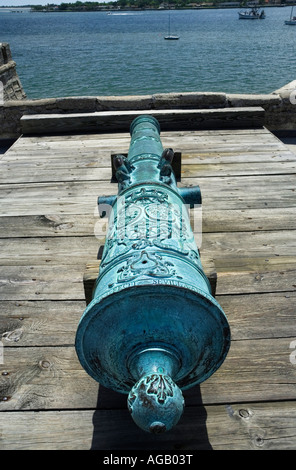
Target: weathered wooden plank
(239,145)
(88,138)
(39,323)
(238,169)
(65,282)
(215,220)
(274,247)
(47,282)
(51,430)
(48,198)
(54,323)
(84,145)
(109,121)
(262,280)
(86,204)
(259,316)
(187,141)
(27,174)
(243,157)
(45,378)
(270,184)
(248,220)
(252,261)
(249,262)
(55,191)
(249,246)
(246,192)
(83,205)
(62,157)
(261,244)
(98,157)
(241,220)
(13,174)
(30,271)
(254,370)
(241,426)
(51,225)
(191,154)
(52,155)
(236,192)
(57,250)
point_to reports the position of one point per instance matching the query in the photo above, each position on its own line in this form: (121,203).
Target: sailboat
(171,37)
(292,20)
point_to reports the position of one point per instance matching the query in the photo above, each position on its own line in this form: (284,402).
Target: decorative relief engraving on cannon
(145,264)
(153,388)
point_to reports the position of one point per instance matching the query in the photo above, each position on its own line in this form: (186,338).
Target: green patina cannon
(153,327)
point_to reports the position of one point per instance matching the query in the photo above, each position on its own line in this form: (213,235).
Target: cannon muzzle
(153,327)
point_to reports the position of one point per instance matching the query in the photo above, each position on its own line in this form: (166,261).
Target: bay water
(124,53)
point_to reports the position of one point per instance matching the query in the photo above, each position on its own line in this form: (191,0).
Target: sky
(17,3)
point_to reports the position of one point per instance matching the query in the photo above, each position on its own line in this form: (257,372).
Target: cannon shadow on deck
(114,428)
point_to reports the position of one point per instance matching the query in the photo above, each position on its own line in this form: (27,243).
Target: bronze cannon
(153,327)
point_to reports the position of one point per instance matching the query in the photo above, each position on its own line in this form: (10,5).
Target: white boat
(253,14)
(292,20)
(171,37)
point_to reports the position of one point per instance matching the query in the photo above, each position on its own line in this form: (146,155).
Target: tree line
(140,4)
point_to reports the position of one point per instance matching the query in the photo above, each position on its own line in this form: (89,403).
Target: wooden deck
(48,189)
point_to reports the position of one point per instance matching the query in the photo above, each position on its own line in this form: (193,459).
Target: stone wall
(280,113)
(11,87)
(12,111)
(280,107)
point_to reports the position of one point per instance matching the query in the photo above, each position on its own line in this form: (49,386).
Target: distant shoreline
(119,10)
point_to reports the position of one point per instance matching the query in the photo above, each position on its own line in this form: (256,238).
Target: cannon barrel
(153,327)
